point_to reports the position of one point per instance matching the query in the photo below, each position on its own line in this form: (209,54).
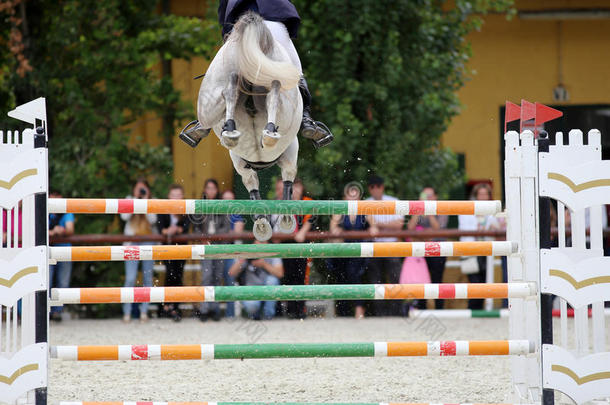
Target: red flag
(545,114)
(528,111)
(512,112)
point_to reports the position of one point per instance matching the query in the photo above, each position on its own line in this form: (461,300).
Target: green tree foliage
(98,65)
(384,76)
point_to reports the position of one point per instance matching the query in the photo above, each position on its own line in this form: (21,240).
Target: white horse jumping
(249,96)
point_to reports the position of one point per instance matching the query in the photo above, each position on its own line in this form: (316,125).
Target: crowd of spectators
(219,272)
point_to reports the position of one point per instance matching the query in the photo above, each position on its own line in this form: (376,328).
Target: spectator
(212,269)
(349,270)
(237,226)
(481,191)
(170,225)
(258,272)
(436,265)
(295,270)
(60,273)
(135,225)
(385,269)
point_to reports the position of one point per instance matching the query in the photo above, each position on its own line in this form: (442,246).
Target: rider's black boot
(310,129)
(193,133)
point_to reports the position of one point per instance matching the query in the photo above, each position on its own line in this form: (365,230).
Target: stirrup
(320,135)
(192,136)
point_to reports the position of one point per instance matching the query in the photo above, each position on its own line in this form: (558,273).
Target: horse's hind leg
(262,227)
(248,175)
(230,135)
(270,134)
(288,164)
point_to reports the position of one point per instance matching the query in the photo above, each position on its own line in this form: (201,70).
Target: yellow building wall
(209,160)
(519,59)
(147,128)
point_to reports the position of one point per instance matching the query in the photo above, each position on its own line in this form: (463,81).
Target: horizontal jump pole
(479,313)
(418,235)
(284,250)
(250,207)
(292,350)
(259,403)
(459,313)
(115,295)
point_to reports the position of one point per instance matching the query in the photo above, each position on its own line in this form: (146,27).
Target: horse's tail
(255,42)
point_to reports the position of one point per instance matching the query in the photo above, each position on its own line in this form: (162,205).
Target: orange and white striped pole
(260,403)
(250,207)
(284,250)
(109,295)
(293,350)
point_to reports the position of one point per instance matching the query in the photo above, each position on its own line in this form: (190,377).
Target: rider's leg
(316,131)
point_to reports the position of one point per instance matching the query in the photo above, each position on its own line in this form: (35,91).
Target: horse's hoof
(270,138)
(230,138)
(262,229)
(287,224)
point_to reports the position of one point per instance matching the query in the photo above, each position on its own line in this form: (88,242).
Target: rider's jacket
(271,10)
